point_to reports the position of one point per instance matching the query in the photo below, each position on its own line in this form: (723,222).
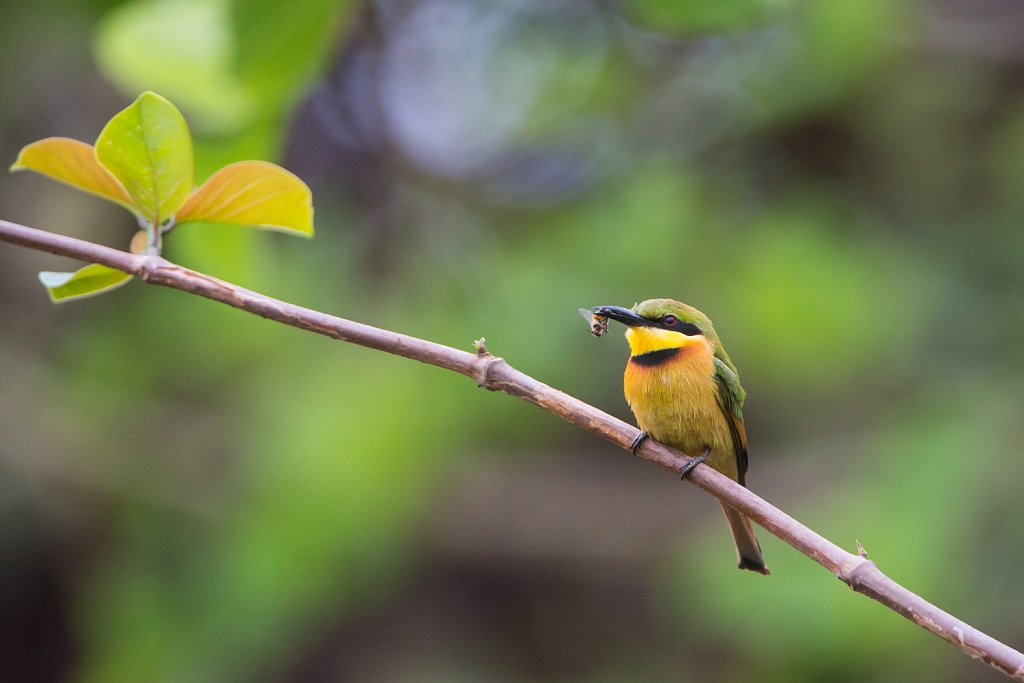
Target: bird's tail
(748,551)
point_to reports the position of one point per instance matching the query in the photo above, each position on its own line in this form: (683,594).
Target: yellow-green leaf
(72,162)
(255,193)
(88,281)
(148,148)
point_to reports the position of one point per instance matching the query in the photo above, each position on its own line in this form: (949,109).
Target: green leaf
(254,193)
(148,148)
(74,163)
(192,67)
(278,48)
(88,281)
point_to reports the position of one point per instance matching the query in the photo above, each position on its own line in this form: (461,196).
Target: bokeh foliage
(215,499)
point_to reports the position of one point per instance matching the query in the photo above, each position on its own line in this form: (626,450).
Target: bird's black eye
(669,320)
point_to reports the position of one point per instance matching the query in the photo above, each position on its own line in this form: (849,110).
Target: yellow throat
(646,339)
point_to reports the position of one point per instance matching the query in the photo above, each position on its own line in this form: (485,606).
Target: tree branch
(492,372)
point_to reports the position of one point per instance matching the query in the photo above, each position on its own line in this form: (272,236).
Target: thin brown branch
(492,372)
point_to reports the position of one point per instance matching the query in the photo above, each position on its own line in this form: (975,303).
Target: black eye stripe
(670,322)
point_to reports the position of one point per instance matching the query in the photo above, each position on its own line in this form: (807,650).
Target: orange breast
(676,401)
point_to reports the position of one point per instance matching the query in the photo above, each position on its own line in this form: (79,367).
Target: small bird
(685,392)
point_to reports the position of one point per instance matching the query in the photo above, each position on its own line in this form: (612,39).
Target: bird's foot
(690,466)
(640,438)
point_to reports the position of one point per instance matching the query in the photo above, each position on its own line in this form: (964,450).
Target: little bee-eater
(685,392)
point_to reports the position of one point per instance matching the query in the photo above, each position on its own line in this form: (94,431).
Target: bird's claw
(640,438)
(690,466)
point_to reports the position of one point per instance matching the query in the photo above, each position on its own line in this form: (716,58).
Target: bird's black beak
(622,315)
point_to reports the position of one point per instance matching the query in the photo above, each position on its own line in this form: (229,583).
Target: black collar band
(652,358)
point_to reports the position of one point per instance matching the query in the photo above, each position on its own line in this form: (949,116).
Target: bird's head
(658,324)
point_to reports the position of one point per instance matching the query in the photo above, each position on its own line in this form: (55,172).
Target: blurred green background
(190,493)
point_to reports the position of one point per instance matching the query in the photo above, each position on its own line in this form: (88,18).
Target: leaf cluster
(143,160)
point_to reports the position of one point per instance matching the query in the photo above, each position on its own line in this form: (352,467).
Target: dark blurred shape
(36,641)
(337,131)
(989,29)
(338,144)
(486,96)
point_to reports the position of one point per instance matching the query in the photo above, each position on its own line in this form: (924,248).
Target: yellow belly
(677,404)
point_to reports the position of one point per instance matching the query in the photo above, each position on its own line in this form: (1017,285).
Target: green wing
(730,398)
